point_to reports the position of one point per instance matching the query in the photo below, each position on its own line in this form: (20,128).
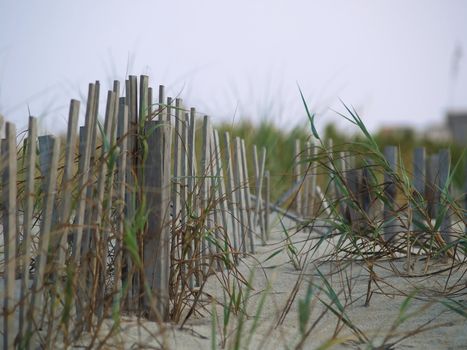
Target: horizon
(397,63)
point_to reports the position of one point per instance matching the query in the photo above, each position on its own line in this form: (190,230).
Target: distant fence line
(351,189)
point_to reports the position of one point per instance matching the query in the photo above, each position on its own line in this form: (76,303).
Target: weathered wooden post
(444,189)
(49,154)
(390,192)
(156,238)
(465,198)
(267,198)
(177,243)
(150,103)
(222,197)
(143,98)
(192,200)
(60,242)
(85,151)
(353,179)
(431,189)
(259,176)
(232,195)
(27,223)
(298,176)
(343,171)
(122,139)
(205,189)
(9,234)
(240,189)
(312,178)
(160,107)
(331,190)
(419,180)
(306,180)
(247,194)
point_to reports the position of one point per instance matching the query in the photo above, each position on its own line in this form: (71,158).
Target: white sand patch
(427,323)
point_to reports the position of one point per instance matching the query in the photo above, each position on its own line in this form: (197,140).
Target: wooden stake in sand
(390,226)
(27,222)
(240,189)
(444,189)
(232,194)
(122,139)
(298,176)
(9,234)
(267,199)
(419,179)
(259,175)
(156,240)
(246,184)
(49,154)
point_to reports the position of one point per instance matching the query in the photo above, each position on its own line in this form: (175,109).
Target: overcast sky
(396,62)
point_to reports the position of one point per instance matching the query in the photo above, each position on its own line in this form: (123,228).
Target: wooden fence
(358,190)
(123,216)
(118,214)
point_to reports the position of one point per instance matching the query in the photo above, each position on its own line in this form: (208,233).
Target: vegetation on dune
(280,146)
(342,222)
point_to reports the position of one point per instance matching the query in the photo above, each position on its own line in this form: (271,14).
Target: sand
(426,323)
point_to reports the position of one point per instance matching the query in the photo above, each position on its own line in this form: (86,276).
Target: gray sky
(394,61)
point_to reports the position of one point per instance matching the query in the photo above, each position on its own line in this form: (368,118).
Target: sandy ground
(278,286)
(271,318)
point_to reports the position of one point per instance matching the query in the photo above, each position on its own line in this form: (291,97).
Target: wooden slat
(306,180)
(179,143)
(122,136)
(82,218)
(353,181)
(9,235)
(226,233)
(83,169)
(342,205)
(102,212)
(65,206)
(444,188)
(259,172)
(49,154)
(240,194)
(92,128)
(390,191)
(231,194)
(313,177)
(206,247)
(27,222)
(218,202)
(191,160)
(150,103)
(143,98)
(175,183)
(419,179)
(246,184)
(431,189)
(465,196)
(161,108)
(331,190)
(169,110)
(267,199)
(183,143)
(116,90)
(156,255)
(298,176)
(133,164)
(193,187)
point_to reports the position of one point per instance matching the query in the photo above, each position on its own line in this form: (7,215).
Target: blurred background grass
(280,147)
